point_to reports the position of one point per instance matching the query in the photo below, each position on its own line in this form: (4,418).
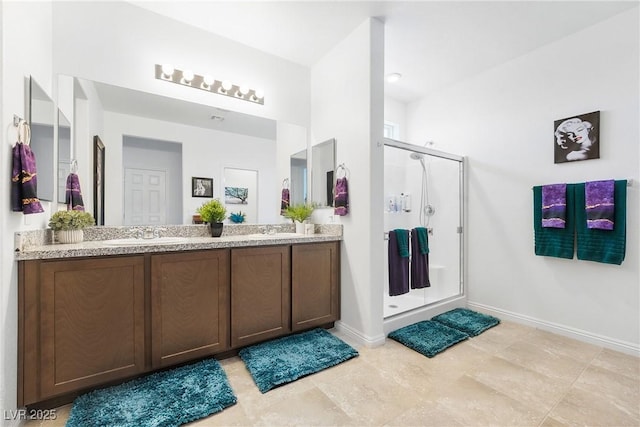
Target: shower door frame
(461,221)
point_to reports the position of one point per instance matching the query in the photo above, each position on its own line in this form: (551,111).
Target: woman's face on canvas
(578,133)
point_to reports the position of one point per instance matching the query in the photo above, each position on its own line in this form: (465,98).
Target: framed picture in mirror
(98,180)
(201,187)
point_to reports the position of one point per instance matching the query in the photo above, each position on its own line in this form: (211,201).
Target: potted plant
(68,225)
(299,213)
(213,212)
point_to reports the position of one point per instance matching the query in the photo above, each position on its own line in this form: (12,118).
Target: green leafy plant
(212,211)
(71,220)
(299,212)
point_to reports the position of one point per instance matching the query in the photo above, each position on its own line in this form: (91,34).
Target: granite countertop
(181,239)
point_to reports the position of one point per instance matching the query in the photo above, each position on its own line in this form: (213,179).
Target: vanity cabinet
(315,291)
(83,324)
(189,306)
(260,294)
(89,322)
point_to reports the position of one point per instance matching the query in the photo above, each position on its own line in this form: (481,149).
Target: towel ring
(343,169)
(285,183)
(24,132)
(74,166)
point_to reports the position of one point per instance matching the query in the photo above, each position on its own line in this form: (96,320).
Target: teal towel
(555,242)
(403,242)
(423,240)
(607,246)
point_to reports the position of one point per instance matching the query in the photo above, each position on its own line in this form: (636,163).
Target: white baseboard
(358,337)
(567,331)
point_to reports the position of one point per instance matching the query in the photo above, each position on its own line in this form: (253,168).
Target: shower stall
(425,188)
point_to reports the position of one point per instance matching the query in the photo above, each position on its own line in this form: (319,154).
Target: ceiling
(433,44)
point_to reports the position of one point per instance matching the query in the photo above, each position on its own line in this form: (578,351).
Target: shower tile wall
(404,175)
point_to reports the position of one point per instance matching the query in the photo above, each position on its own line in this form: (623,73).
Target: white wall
(205,153)
(347,104)
(503,121)
(396,112)
(290,139)
(109,54)
(26,50)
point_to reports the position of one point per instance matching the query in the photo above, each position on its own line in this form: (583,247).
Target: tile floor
(511,375)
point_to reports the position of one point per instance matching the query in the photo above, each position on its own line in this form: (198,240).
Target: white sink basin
(145,242)
(273,236)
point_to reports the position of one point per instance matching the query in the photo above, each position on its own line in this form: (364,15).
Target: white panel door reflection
(145,196)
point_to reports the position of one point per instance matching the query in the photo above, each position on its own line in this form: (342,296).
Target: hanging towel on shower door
(24,184)
(398,250)
(419,258)
(606,246)
(554,242)
(73,194)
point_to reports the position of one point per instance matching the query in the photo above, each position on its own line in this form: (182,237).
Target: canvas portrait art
(577,138)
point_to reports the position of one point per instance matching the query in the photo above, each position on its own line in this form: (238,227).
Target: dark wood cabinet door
(260,294)
(315,290)
(91,322)
(189,306)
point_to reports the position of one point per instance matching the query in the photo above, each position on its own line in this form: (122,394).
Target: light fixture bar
(198,82)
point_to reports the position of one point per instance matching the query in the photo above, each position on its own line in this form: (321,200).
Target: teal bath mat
(465,320)
(169,398)
(427,337)
(287,359)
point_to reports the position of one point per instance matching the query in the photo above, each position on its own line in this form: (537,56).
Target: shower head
(416,156)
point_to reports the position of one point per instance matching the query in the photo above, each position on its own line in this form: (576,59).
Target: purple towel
(284,201)
(73,194)
(419,264)
(554,205)
(398,268)
(341,202)
(24,183)
(599,207)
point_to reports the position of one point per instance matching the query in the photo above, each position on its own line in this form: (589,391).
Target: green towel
(555,242)
(607,246)
(402,236)
(423,240)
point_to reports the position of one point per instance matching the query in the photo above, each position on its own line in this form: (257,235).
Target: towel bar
(629,183)
(429,231)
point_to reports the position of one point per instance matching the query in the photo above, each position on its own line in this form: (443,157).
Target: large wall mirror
(213,143)
(64,155)
(41,117)
(298,185)
(323,166)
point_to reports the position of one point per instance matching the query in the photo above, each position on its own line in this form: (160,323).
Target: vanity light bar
(207,83)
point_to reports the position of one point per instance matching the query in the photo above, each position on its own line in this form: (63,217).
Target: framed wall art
(577,138)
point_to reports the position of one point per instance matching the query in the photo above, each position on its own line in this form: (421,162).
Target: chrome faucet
(146,233)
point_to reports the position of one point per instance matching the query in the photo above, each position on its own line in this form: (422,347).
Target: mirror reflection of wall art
(201,187)
(236,195)
(577,138)
(98,180)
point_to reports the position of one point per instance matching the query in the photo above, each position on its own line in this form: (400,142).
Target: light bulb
(187,76)
(244,89)
(259,94)
(208,80)
(393,77)
(167,70)
(226,85)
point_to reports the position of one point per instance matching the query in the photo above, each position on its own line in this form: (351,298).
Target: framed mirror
(298,185)
(41,117)
(323,166)
(64,155)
